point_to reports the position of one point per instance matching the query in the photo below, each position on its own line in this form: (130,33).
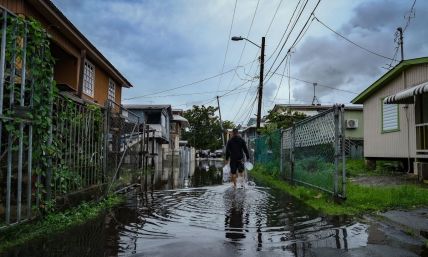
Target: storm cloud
(159,45)
(330,60)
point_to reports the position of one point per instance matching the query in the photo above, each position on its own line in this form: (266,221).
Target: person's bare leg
(234,180)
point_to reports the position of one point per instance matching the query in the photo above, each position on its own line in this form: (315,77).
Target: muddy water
(205,218)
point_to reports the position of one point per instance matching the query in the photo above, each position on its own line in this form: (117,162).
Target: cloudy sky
(161,45)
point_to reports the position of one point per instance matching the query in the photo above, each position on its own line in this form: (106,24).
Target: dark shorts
(236,166)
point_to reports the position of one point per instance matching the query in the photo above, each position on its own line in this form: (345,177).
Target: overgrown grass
(358,168)
(55,222)
(360,199)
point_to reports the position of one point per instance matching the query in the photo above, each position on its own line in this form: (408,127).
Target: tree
(227,124)
(284,120)
(204,131)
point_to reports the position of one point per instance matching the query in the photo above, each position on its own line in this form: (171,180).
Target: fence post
(292,148)
(281,154)
(336,149)
(343,137)
(106,134)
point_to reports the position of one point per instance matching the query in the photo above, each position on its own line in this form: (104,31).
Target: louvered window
(390,120)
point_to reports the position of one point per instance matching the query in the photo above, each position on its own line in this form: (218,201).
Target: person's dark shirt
(235,149)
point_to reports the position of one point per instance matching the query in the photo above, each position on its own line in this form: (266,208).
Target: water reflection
(173,175)
(235,216)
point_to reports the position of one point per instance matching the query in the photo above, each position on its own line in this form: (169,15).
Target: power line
(189,84)
(245,42)
(194,93)
(352,42)
(246,94)
(249,109)
(285,31)
(244,103)
(288,36)
(412,14)
(318,84)
(209,100)
(280,82)
(273,17)
(228,41)
(295,41)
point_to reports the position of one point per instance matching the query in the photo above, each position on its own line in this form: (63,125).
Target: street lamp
(262,66)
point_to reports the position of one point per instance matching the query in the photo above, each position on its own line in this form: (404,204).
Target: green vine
(44,108)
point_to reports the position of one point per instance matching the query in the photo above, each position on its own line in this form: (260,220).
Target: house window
(89,79)
(111,90)
(163,120)
(390,117)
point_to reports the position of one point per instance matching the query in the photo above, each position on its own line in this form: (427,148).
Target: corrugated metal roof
(147,106)
(316,107)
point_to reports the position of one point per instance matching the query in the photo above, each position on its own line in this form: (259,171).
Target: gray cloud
(332,61)
(162,44)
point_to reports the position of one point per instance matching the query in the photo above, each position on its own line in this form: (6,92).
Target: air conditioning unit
(351,124)
(421,168)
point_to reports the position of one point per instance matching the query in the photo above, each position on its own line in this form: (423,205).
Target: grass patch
(356,168)
(361,199)
(55,222)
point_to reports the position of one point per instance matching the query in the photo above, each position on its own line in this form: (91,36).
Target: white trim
(88,87)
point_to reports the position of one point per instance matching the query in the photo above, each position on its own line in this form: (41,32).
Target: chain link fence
(312,152)
(268,151)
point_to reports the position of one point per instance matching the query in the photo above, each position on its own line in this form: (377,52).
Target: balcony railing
(422,138)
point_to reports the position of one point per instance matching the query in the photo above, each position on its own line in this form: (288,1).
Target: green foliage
(204,131)
(42,98)
(56,222)
(360,199)
(40,90)
(284,120)
(316,171)
(356,168)
(227,124)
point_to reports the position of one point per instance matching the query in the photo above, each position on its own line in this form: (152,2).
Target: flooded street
(206,218)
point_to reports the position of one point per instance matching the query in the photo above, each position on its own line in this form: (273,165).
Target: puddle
(205,218)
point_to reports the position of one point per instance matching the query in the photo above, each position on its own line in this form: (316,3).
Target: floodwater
(197,215)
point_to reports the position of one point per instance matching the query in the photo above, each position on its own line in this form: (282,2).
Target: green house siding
(357,133)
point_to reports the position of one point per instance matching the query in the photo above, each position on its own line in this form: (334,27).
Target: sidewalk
(411,221)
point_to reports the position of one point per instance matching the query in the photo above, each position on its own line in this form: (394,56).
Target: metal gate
(125,144)
(17,195)
(313,152)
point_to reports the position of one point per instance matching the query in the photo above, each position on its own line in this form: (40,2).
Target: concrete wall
(392,144)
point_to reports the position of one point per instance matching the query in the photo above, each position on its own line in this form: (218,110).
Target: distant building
(178,123)
(158,118)
(353,116)
(396,115)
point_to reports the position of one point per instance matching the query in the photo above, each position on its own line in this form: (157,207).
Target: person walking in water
(235,150)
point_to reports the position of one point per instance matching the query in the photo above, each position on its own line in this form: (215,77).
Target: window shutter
(390,117)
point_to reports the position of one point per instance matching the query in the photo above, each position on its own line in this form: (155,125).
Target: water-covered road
(216,220)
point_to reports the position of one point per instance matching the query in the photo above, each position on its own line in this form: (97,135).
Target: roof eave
(48,5)
(385,78)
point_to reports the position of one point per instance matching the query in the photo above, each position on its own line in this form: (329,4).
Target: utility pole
(400,31)
(221,124)
(262,66)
